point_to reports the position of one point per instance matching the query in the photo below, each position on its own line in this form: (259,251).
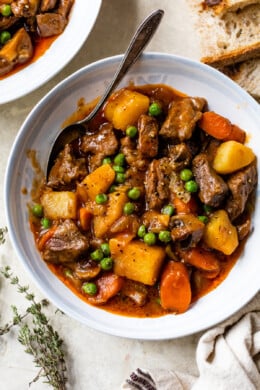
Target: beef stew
(136,216)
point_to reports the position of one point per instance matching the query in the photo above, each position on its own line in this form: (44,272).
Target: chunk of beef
(46,5)
(50,24)
(180,156)
(25,8)
(182,117)
(148,136)
(66,244)
(133,156)
(67,169)
(157,183)
(137,163)
(241,184)
(17,50)
(186,228)
(213,188)
(100,144)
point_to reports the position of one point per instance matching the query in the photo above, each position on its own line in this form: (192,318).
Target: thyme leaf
(36,333)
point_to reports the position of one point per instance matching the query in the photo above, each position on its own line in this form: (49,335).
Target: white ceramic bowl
(37,133)
(62,50)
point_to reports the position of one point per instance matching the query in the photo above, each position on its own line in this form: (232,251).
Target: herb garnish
(36,334)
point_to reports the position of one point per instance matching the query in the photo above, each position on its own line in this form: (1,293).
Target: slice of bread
(220,7)
(247,75)
(228,39)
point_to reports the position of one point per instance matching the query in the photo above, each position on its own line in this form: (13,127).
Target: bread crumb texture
(228,38)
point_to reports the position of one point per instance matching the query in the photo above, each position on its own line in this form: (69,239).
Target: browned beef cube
(182,118)
(100,144)
(67,169)
(66,244)
(241,184)
(213,188)
(148,136)
(50,24)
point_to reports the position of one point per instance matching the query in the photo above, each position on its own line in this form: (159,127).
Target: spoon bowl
(137,44)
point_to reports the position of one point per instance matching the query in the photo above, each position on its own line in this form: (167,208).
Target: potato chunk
(60,204)
(220,234)
(113,211)
(136,260)
(232,156)
(125,108)
(98,181)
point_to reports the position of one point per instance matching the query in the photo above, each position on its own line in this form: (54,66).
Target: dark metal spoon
(139,41)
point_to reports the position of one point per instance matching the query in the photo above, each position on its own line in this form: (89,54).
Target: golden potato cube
(136,260)
(98,181)
(113,211)
(59,204)
(220,234)
(232,156)
(125,108)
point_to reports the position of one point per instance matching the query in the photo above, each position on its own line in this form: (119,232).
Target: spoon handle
(140,39)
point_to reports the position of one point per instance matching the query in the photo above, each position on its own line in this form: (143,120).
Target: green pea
(89,288)
(105,248)
(6,10)
(101,198)
(141,231)
(165,236)
(155,109)
(207,208)
(119,159)
(129,208)
(131,131)
(134,193)
(186,174)
(106,160)
(168,210)
(191,186)
(150,238)
(45,222)
(203,218)
(118,168)
(106,263)
(4,37)
(120,177)
(37,210)
(97,255)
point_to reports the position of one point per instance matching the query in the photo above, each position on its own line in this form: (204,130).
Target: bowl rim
(7,183)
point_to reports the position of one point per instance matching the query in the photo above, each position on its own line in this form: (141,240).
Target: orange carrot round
(185,208)
(175,289)
(220,127)
(202,259)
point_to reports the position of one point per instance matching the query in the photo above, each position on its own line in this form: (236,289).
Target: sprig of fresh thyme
(36,334)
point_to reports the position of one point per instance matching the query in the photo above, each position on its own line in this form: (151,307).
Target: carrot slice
(85,218)
(175,289)
(220,127)
(108,286)
(202,259)
(45,237)
(185,208)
